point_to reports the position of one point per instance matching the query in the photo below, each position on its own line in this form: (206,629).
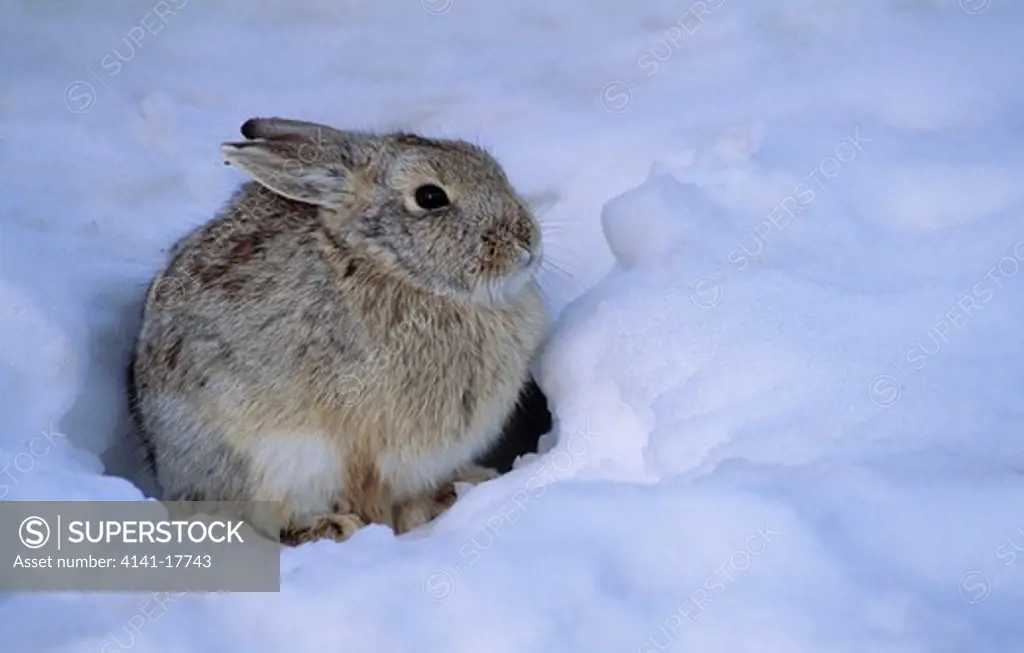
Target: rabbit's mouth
(506,289)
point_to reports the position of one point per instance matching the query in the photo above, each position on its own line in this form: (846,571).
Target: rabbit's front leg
(431,505)
(364,500)
(368,495)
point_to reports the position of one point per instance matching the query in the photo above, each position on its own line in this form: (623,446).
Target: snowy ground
(786,371)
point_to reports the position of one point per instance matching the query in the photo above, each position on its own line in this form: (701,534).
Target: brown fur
(328,345)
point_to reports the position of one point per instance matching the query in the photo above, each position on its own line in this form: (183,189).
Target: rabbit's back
(249,296)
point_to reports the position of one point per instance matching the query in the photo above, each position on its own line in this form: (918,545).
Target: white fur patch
(502,291)
(302,469)
(410,472)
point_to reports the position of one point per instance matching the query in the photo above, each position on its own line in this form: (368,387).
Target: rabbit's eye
(430,197)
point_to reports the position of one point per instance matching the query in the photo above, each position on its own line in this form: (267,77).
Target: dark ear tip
(249,128)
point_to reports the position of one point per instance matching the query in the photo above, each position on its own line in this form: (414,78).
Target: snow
(785,248)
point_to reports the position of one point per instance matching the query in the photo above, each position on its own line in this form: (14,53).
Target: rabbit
(346,336)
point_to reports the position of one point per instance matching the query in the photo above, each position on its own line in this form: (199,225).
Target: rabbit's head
(440,212)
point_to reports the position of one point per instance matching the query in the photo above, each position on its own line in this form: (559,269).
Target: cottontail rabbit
(347,335)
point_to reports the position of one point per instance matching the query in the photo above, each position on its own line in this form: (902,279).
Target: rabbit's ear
(297,170)
(270,128)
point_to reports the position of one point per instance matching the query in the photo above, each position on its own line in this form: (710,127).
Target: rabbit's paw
(337,527)
(475,475)
(413,514)
(466,477)
(430,506)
